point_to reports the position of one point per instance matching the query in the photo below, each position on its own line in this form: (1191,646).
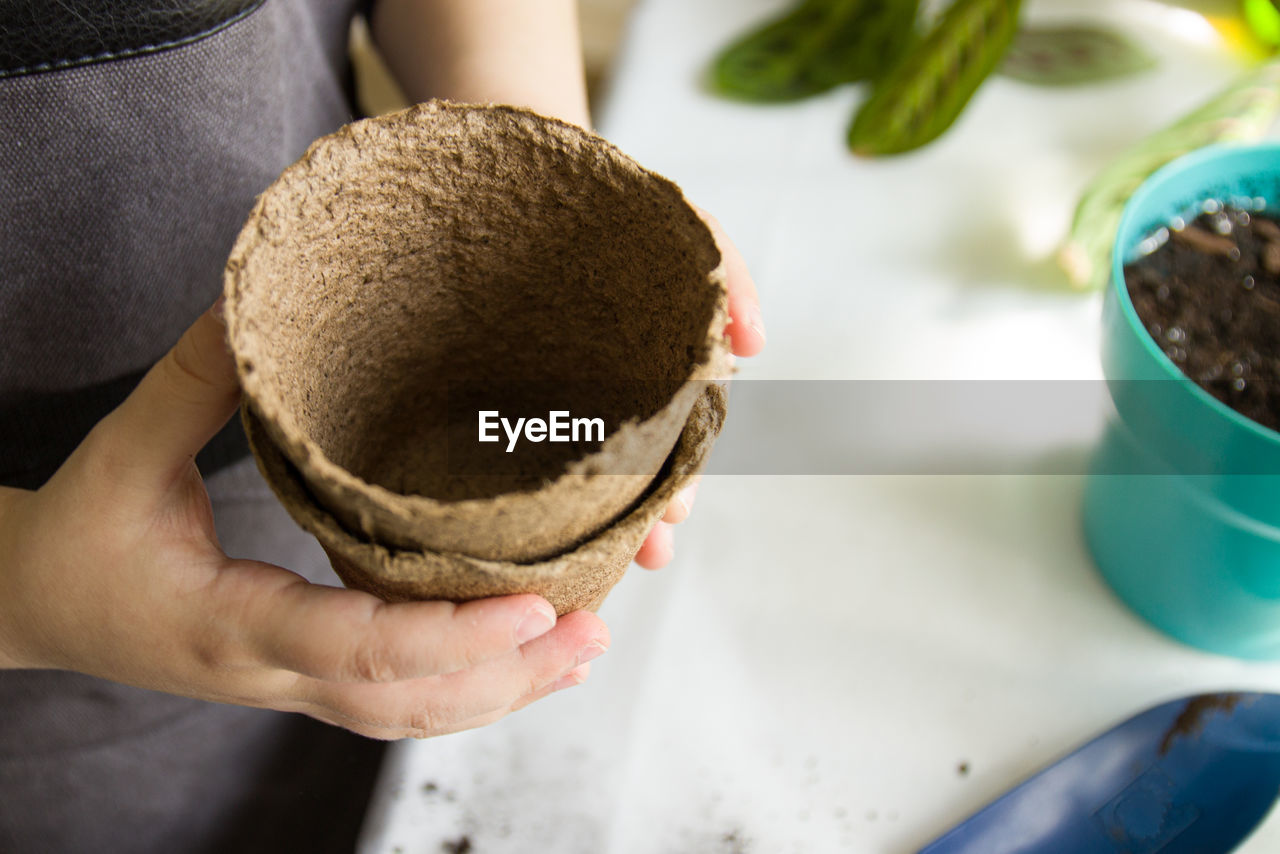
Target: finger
(574,677)
(180,404)
(497,685)
(347,636)
(746,323)
(682,505)
(657,549)
(434,706)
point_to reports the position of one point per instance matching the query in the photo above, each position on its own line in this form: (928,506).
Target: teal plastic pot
(1182,501)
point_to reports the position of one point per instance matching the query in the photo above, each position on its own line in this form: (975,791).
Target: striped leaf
(815,46)
(920,98)
(1071,55)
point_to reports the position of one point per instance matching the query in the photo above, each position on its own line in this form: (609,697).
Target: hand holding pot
(113,569)
(746,334)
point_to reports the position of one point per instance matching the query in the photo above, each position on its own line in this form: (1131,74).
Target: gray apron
(133,139)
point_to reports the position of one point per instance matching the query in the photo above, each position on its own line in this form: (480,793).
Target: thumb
(181,403)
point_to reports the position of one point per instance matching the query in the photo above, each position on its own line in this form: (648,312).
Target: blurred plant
(814,47)
(1072,54)
(920,84)
(925,92)
(1241,112)
(1263,18)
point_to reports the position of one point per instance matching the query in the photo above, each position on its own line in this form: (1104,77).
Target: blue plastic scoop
(1191,776)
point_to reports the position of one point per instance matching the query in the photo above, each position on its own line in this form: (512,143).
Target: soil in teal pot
(1208,293)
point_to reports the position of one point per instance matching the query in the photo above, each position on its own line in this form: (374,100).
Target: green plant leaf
(813,47)
(865,45)
(1072,54)
(1241,112)
(1263,18)
(920,98)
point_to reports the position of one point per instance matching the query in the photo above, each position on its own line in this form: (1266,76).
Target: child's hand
(113,569)
(746,332)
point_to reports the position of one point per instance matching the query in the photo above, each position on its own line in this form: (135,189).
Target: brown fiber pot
(413,270)
(580,578)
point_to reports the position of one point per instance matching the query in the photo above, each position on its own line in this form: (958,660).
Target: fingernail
(686,497)
(536,622)
(218,305)
(756,321)
(590,652)
(683,512)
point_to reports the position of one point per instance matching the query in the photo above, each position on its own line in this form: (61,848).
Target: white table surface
(825,652)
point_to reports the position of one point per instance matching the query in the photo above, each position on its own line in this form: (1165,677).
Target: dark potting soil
(1209,296)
